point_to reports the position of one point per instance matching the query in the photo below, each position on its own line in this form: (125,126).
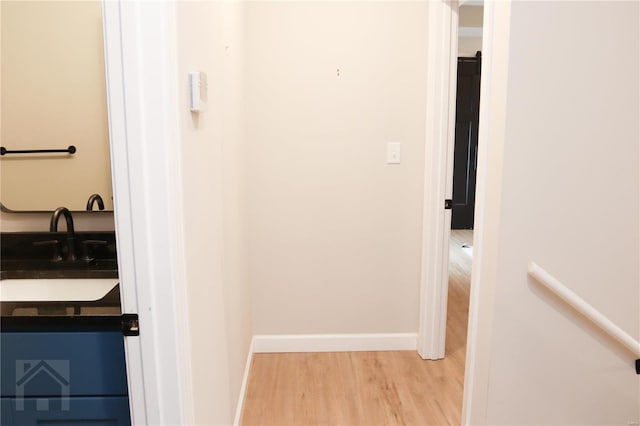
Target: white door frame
(438,181)
(142,95)
(140,40)
(438,178)
(493,106)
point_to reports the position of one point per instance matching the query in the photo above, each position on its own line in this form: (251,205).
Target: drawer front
(78,411)
(60,364)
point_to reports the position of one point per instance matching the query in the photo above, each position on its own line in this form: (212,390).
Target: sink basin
(55,290)
(28,271)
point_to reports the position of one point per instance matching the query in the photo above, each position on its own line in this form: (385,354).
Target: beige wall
(470,17)
(570,202)
(210,39)
(468,46)
(53,95)
(334,231)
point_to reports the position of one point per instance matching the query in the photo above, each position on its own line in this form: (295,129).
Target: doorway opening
(61,293)
(465,158)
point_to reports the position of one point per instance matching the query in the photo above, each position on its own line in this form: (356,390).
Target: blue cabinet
(6,412)
(63,378)
(83,411)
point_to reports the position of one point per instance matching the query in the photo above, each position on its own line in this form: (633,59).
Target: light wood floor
(368,388)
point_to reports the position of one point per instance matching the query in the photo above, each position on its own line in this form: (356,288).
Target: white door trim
(140,62)
(440,132)
(493,106)
(279,343)
(438,175)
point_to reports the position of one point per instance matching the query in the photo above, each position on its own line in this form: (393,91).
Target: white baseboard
(243,387)
(334,342)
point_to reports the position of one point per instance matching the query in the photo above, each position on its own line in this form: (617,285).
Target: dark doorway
(465,156)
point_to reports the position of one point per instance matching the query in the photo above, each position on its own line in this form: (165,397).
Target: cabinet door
(58,364)
(6,412)
(75,411)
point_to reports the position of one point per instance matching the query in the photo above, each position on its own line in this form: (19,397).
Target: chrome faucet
(95,198)
(71,236)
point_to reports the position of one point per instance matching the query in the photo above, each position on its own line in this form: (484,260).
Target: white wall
(468,46)
(570,202)
(53,96)
(210,39)
(335,231)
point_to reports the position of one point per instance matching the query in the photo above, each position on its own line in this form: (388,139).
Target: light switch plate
(197,91)
(393,153)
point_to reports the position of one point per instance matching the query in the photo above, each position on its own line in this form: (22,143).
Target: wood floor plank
(368,388)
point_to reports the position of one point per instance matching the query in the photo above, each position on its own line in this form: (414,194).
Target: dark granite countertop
(24,256)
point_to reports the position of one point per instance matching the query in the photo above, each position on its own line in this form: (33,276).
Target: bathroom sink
(55,290)
(31,271)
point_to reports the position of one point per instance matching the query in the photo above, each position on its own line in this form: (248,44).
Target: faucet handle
(57,256)
(85,248)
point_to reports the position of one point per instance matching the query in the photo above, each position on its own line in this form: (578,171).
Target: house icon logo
(42,377)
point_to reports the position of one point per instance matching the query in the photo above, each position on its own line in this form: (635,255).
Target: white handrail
(577,303)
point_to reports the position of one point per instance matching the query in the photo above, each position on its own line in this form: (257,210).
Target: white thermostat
(197,91)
